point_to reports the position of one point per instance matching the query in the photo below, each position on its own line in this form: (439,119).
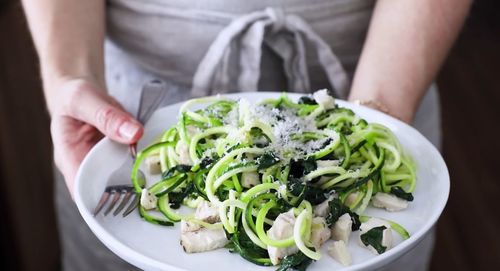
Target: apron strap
(237,53)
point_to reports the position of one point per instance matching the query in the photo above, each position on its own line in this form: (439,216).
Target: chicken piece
(320,232)
(282,229)
(372,223)
(387,240)
(153,164)
(342,229)
(249,179)
(203,240)
(338,251)
(207,212)
(389,201)
(323,209)
(182,149)
(148,200)
(196,238)
(187,226)
(323,99)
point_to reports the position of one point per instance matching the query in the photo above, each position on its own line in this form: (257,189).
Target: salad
(276,180)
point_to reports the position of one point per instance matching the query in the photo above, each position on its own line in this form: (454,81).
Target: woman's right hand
(82,113)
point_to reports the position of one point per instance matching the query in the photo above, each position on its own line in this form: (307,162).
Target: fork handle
(133,150)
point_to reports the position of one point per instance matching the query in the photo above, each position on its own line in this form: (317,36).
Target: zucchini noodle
(304,220)
(255,163)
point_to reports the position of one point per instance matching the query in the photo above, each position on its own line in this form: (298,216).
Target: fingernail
(128,130)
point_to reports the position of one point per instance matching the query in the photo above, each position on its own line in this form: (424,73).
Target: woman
(390,51)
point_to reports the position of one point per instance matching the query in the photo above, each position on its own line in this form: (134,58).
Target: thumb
(117,124)
(101,111)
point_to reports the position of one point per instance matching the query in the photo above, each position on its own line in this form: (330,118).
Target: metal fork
(118,185)
(116,189)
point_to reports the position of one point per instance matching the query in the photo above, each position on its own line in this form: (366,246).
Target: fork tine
(116,197)
(132,205)
(124,202)
(102,201)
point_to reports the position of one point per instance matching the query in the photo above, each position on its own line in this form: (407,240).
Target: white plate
(152,247)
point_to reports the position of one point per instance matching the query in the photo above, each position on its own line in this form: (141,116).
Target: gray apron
(203,47)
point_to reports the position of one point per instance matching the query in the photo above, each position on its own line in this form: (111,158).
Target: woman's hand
(69,38)
(81,115)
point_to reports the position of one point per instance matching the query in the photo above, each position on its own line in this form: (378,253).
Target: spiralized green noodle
(299,154)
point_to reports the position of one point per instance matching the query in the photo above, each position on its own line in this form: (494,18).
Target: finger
(90,105)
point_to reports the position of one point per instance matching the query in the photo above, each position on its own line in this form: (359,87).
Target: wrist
(57,86)
(58,66)
(55,72)
(373,104)
(394,106)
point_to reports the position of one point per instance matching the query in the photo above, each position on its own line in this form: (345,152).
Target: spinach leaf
(305,190)
(175,198)
(223,193)
(282,206)
(309,165)
(297,261)
(356,223)
(307,100)
(315,195)
(295,186)
(373,238)
(301,167)
(266,160)
(337,209)
(400,193)
(241,244)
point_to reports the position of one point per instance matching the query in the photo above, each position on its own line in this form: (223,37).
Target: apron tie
(237,53)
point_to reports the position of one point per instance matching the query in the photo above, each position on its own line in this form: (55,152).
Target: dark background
(468,232)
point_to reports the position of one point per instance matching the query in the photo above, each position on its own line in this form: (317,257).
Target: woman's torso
(169,38)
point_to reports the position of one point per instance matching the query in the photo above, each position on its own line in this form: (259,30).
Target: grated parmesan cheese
(285,124)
